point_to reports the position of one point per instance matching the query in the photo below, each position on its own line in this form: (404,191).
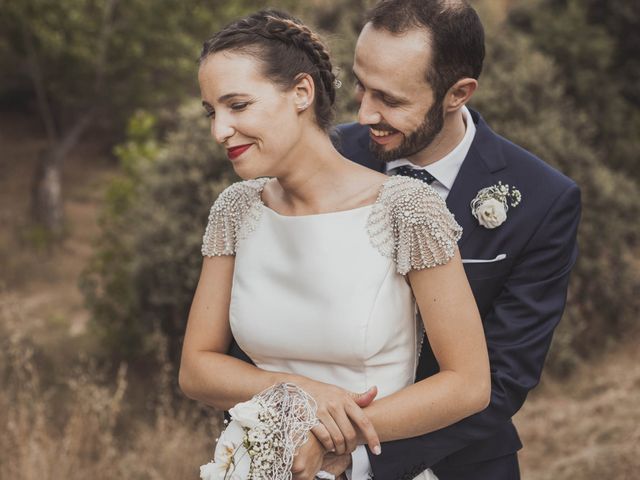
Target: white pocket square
(502,256)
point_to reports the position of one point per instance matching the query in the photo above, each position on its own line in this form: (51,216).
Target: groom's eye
(390,102)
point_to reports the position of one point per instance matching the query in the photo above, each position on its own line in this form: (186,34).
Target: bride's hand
(340,414)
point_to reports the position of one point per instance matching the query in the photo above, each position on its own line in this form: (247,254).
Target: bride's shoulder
(411,223)
(232,217)
(246,191)
(400,183)
(409,195)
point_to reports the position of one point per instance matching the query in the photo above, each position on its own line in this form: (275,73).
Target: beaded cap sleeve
(233,216)
(411,224)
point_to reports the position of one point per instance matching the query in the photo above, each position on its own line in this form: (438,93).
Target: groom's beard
(418,140)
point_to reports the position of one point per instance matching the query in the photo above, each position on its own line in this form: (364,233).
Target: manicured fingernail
(377,450)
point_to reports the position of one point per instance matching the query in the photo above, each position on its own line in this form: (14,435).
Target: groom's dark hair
(455,33)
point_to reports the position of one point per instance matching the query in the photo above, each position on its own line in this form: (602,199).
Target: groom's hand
(308,460)
(336,464)
(312,457)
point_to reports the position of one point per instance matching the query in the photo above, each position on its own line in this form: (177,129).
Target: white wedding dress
(325,295)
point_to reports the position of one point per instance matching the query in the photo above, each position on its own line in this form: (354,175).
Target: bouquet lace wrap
(262,439)
(294,412)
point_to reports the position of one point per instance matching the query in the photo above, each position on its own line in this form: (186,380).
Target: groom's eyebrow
(388,95)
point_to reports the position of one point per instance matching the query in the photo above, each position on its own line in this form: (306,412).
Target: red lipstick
(235,152)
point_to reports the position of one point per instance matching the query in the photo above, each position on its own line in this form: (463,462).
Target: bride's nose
(222,128)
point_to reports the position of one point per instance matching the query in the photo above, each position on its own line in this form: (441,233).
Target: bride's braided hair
(286,48)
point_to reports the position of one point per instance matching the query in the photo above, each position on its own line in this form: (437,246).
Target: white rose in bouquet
(212,471)
(247,413)
(231,459)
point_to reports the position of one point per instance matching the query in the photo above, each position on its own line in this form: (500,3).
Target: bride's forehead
(231,69)
(232,64)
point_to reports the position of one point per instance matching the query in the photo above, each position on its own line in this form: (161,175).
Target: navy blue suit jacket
(520,298)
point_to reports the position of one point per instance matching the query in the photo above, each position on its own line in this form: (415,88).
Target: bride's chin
(242,171)
(250,169)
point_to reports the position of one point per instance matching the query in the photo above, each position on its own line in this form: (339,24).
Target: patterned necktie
(414,173)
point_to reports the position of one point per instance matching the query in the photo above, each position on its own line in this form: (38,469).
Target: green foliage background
(560,79)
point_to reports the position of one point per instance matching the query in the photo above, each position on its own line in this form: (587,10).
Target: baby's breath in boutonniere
(490,205)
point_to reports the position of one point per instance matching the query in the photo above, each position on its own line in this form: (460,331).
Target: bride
(315,265)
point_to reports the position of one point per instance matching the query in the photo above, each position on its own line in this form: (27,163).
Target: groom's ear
(459,94)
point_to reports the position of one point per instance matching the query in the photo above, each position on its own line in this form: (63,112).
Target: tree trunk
(46,197)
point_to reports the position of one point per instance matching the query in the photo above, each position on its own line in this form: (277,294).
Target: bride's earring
(303,107)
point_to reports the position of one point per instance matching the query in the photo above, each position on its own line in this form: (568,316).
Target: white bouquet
(263,436)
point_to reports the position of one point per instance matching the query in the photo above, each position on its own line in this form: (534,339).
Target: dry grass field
(587,427)
(64,417)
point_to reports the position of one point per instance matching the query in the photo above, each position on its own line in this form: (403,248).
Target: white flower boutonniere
(490,205)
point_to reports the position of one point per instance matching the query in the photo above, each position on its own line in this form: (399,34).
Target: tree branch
(103,44)
(37,78)
(72,137)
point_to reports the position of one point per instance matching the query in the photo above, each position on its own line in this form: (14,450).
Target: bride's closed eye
(236,107)
(239,106)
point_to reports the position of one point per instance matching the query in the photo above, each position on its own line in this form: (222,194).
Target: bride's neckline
(322,214)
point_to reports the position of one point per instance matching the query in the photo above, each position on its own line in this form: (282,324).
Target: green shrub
(146,267)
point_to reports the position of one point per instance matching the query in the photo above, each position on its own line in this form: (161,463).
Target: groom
(416,65)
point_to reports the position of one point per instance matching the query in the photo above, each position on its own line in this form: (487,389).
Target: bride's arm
(454,329)
(207,373)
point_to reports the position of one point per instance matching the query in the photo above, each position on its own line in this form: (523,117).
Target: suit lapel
(477,171)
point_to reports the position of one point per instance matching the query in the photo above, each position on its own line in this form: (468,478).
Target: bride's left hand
(343,423)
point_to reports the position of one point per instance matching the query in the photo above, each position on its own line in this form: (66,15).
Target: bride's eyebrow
(228,96)
(223,98)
